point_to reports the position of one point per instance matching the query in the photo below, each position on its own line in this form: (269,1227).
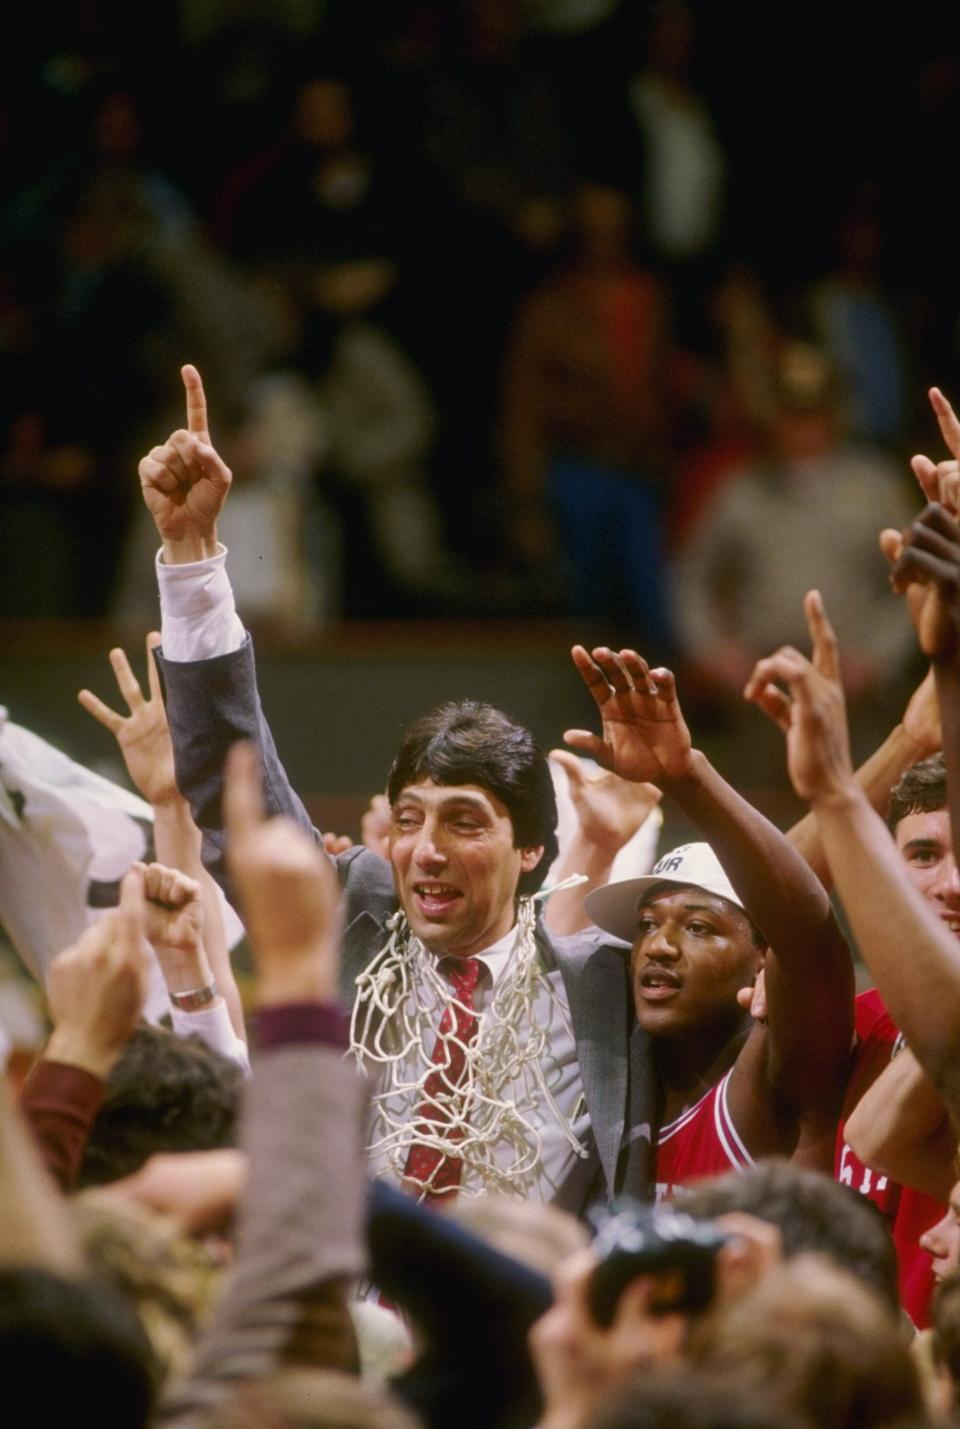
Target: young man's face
(455,865)
(925,842)
(692,954)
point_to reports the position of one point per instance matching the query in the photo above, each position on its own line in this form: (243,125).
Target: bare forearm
(178,845)
(913,957)
(947,676)
(901,1127)
(876,777)
(189,548)
(565,912)
(784,898)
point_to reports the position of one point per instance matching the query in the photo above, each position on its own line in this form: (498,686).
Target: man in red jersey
(919,819)
(704,923)
(896,898)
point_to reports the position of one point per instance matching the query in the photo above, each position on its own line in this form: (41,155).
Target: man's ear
(530,857)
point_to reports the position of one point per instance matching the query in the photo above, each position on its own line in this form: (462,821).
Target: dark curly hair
(921,789)
(165,1093)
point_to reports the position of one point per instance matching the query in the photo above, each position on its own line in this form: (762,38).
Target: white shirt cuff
(213,1026)
(198,615)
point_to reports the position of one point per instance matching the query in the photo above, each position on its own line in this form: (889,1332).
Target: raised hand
(173,912)
(185,482)
(921,718)
(813,714)
(143,734)
(644,738)
(96,988)
(609,810)
(288,890)
(940,481)
(925,563)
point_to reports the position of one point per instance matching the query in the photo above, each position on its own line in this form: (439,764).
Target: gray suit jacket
(213,703)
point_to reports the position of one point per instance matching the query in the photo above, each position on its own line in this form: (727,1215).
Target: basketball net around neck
(401,998)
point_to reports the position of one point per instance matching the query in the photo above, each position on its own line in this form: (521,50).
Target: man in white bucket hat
(698,931)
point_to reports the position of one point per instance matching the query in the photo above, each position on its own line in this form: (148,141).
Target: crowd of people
(511,1131)
(520,1120)
(492,296)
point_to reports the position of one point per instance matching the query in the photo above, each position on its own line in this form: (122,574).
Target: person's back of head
(71,1347)
(537,1235)
(300,1398)
(675,1397)
(812,1213)
(818,1341)
(165,1093)
(946,1335)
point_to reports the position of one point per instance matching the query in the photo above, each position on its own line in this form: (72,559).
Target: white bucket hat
(614,907)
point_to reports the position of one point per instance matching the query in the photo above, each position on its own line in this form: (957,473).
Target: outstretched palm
(143,735)
(645,737)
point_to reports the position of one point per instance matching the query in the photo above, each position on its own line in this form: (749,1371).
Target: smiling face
(925,842)
(942,1241)
(455,865)
(692,954)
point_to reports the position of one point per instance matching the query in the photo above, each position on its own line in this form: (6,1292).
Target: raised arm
(95,995)
(609,811)
(927,567)
(301,1229)
(916,737)
(206,663)
(887,914)
(143,737)
(809,979)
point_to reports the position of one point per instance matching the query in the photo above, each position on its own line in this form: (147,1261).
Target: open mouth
(434,899)
(656,983)
(952,920)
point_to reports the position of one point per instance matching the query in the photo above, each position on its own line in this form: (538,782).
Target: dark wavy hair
(165,1093)
(465,742)
(921,789)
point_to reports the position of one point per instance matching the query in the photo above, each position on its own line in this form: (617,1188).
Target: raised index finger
(825,657)
(947,419)
(196,401)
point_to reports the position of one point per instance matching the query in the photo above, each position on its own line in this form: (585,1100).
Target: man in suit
(497,1053)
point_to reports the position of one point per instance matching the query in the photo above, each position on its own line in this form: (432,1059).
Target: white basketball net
(401,998)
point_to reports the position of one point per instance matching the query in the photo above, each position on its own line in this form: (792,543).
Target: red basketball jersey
(700,1143)
(909,1212)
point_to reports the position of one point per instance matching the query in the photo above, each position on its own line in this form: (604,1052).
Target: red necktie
(429,1168)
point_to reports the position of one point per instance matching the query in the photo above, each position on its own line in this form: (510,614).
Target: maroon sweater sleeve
(60,1103)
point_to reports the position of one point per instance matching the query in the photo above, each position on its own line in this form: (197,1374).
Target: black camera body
(654,1240)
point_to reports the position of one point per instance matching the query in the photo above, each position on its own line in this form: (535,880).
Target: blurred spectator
(805,517)
(683,167)
(857,324)
(111,277)
(313,194)
(586,429)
